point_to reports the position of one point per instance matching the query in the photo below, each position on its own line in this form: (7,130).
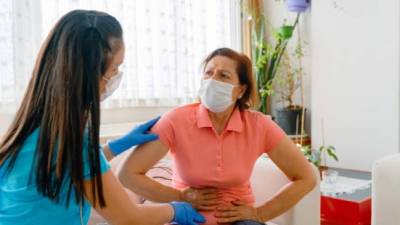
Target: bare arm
(107,152)
(292,162)
(120,210)
(133,171)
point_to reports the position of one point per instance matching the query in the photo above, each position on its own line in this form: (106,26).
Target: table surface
(359,195)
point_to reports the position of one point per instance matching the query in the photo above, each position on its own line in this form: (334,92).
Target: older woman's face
(223,69)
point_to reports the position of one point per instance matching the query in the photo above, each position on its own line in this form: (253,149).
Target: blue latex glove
(186,215)
(139,135)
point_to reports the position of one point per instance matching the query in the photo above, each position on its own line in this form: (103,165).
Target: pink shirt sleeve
(272,134)
(165,130)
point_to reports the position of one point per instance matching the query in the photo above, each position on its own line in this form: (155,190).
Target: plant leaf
(332,154)
(332,147)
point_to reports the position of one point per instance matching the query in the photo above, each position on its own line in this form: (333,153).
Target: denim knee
(247,222)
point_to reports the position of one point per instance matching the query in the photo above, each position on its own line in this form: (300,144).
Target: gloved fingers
(199,222)
(198,218)
(149,124)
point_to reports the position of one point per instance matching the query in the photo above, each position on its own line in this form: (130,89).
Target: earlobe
(243,87)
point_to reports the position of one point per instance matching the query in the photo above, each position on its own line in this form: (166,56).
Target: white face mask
(111,85)
(216,95)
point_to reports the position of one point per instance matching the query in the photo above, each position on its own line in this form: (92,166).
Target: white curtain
(166,40)
(19,40)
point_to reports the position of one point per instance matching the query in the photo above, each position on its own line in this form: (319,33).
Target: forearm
(149,188)
(107,152)
(154,214)
(120,209)
(149,214)
(285,199)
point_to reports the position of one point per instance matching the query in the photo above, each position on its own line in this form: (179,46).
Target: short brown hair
(244,69)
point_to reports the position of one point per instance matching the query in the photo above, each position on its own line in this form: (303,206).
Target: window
(165,44)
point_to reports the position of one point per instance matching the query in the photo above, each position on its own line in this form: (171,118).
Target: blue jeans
(247,222)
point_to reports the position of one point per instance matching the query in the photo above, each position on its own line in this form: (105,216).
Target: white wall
(352,80)
(355,78)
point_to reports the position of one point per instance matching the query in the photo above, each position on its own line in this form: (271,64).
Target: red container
(336,211)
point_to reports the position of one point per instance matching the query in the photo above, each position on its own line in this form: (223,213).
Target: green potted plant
(318,156)
(267,56)
(267,52)
(288,80)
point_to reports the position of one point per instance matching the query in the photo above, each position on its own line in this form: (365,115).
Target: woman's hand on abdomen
(204,199)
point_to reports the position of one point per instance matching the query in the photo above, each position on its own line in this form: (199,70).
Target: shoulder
(256,118)
(182,112)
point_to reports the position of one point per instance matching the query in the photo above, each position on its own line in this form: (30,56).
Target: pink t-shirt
(202,158)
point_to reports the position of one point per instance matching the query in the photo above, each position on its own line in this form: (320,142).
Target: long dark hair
(62,100)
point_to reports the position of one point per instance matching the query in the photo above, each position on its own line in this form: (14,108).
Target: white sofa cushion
(267,179)
(386,191)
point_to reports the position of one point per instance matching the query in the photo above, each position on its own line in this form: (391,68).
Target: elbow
(127,176)
(310,181)
(122,175)
(307,182)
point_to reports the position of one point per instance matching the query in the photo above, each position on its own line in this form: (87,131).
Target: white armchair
(267,179)
(385,191)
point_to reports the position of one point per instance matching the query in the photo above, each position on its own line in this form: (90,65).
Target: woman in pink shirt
(214,145)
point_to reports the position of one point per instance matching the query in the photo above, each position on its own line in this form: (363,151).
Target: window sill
(114,122)
(111,131)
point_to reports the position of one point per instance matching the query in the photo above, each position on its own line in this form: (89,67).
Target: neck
(219,120)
